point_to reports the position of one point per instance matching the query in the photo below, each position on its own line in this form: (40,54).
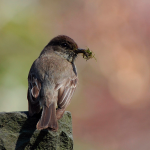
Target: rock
(18,132)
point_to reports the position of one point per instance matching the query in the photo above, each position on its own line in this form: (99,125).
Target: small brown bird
(52,81)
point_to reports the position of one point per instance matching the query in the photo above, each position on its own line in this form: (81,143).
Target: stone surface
(18,132)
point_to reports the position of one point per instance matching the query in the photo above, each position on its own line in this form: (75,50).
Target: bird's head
(65,47)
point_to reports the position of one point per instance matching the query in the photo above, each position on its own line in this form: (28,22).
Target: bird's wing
(65,92)
(34,87)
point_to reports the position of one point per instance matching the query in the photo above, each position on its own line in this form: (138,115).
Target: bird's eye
(65,45)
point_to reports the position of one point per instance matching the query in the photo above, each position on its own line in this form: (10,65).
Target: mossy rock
(18,132)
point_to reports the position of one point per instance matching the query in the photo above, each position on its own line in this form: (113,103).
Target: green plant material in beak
(88,54)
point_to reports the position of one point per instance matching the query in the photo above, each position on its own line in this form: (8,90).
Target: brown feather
(64,96)
(32,108)
(48,118)
(33,93)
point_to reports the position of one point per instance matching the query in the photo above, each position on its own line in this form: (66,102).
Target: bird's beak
(83,51)
(79,50)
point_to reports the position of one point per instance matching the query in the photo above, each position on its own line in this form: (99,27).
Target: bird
(52,80)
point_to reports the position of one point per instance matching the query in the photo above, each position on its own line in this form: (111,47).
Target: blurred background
(111,106)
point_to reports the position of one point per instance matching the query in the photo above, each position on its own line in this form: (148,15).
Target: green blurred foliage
(21,40)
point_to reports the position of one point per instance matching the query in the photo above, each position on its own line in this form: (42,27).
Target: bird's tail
(48,118)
